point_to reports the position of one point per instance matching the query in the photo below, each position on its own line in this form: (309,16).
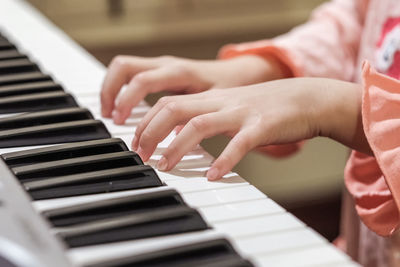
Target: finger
(129,99)
(152,81)
(161,103)
(147,118)
(192,134)
(164,122)
(120,71)
(237,148)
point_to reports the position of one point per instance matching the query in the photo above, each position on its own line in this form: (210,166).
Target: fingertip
(213,174)
(117,117)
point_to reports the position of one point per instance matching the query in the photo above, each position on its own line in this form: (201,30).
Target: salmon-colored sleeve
(374,182)
(326,46)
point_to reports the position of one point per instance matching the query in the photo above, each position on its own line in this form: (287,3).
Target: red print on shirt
(388,52)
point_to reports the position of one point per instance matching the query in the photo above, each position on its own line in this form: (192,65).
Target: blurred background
(309,183)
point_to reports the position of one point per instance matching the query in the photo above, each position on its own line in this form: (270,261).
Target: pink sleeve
(374,182)
(325,46)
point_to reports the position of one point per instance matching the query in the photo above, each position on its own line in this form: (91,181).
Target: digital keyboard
(73,194)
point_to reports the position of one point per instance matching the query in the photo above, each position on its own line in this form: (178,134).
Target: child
(357,106)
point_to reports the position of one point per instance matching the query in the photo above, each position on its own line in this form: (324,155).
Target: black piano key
(65,151)
(72,166)
(36,102)
(5,44)
(55,133)
(87,177)
(50,127)
(105,181)
(29,88)
(10,54)
(109,208)
(23,78)
(40,118)
(13,66)
(212,253)
(162,222)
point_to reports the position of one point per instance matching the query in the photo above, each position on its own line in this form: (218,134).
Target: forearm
(253,69)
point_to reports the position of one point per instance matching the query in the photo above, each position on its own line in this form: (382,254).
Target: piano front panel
(255,225)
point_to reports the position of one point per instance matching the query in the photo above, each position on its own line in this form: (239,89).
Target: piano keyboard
(72,194)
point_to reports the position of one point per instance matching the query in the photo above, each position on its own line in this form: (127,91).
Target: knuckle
(199,123)
(118,61)
(181,69)
(164,101)
(172,107)
(166,58)
(142,79)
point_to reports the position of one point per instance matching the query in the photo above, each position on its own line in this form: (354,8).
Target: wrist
(340,116)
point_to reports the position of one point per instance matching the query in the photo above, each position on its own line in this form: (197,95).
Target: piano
(73,194)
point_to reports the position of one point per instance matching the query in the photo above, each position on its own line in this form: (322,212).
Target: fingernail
(213,174)
(162,164)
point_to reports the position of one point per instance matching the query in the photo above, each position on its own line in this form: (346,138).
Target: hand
(275,112)
(149,75)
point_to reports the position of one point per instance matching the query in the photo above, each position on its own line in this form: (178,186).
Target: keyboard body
(258,228)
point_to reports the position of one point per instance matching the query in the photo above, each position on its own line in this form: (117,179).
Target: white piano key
(187,185)
(191,165)
(258,225)
(279,241)
(178,173)
(245,209)
(222,196)
(118,129)
(347,263)
(312,256)
(82,89)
